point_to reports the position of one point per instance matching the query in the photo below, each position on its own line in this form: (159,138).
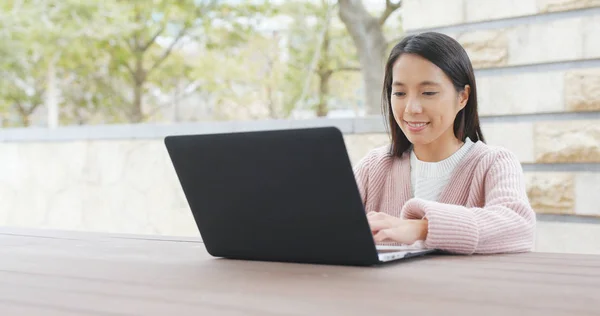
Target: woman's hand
(389,228)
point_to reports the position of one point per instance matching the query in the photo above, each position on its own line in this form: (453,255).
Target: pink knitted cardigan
(483,209)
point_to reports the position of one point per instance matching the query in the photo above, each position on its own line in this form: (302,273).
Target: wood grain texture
(75,273)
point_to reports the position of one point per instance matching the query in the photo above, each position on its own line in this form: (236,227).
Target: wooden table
(72,273)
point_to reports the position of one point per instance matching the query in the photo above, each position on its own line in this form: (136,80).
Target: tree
(242,72)
(22,88)
(38,37)
(89,94)
(152,60)
(333,60)
(136,58)
(332,53)
(371,45)
(22,81)
(245,80)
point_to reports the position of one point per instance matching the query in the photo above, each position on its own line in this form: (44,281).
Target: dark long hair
(446,53)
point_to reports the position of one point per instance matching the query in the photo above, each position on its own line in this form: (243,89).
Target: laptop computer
(277,195)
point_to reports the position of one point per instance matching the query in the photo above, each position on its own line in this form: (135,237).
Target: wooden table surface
(73,273)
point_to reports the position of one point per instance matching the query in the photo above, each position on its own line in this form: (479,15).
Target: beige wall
(560,40)
(113,181)
(129,186)
(536,61)
(575,141)
(420,14)
(540,92)
(558,192)
(567,237)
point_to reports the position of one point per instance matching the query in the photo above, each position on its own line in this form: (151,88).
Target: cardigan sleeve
(506,223)
(361,174)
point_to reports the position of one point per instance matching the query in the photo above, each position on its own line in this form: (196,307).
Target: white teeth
(416,124)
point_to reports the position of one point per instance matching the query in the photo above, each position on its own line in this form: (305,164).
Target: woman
(438,182)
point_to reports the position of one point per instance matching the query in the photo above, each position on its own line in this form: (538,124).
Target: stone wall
(538,63)
(82,179)
(538,77)
(424,14)
(553,91)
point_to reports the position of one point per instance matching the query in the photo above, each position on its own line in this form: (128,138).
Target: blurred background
(89,89)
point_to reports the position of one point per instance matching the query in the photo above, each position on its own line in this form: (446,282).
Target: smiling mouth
(416,124)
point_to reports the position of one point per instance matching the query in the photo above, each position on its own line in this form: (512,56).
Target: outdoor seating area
(422,157)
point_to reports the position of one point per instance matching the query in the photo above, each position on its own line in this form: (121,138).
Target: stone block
(567,142)
(533,43)
(485,48)
(591,43)
(523,93)
(536,43)
(516,137)
(557,237)
(129,186)
(587,194)
(486,10)
(359,145)
(419,14)
(551,193)
(422,14)
(545,6)
(582,90)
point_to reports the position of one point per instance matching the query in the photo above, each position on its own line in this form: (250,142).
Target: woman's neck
(437,150)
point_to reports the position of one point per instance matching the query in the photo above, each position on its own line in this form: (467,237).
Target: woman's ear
(463,96)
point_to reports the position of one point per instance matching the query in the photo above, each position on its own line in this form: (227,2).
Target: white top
(428,179)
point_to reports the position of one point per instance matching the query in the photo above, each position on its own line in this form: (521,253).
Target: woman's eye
(399,94)
(429,93)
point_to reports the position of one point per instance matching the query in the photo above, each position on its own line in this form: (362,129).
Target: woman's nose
(413,106)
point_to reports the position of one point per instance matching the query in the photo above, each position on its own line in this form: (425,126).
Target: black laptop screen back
(287,195)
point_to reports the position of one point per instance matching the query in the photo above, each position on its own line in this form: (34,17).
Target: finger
(382,236)
(377,215)
(389,234)
(377,225)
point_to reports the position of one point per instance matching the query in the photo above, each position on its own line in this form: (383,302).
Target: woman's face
(424,100)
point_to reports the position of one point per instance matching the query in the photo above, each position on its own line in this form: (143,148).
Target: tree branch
(132,48)
(345,69)
(390,7)
(20,108)
(199,11)
(129,69)
(356,18)
(168,51)
(153,39)
(317,55)
(180,97)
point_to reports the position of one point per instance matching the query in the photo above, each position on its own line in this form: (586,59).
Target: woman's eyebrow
(424,83)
